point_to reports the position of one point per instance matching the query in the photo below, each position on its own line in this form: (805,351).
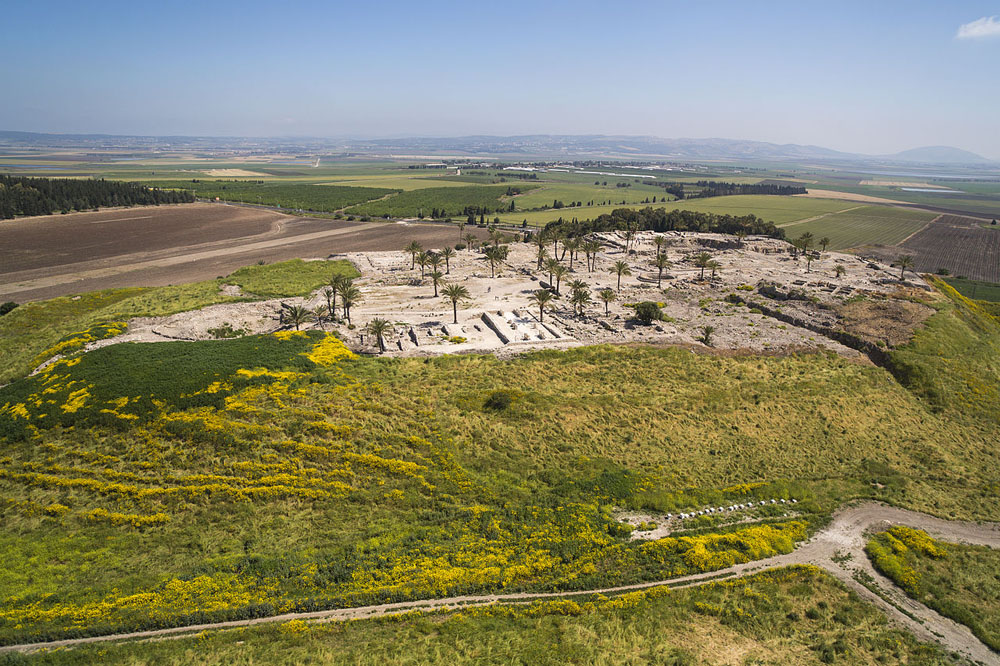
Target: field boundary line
(817,217)
(929,223)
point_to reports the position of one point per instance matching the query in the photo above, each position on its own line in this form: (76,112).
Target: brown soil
(846,196)
(891,320)
(58,255)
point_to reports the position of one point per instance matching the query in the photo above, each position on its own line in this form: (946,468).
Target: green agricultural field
(957,580)
(285,195)
(547,193)
(976,289)
(978,200)
(860,225)
(33,328)
(777,209)
(796,615)
(396,182)
(452,200)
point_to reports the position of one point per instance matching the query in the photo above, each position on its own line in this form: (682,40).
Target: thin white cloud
(988,26)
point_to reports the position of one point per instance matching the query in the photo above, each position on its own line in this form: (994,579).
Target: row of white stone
(731,507)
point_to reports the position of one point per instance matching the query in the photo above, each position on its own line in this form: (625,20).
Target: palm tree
(571,244)
(620,268)
(807,240)
(809,261)
(447,254)
(741,236)
(423,258)
(592,248)
(904,262)
(541,298)
(661,263)
(706,335)
(550,266)
(471,240)
(455,293)
(823,242)
(629,236)
(714,265)
(540,240)
(580,298)
(349,295)
(555,236)
(414,248)
(701,261)
(296,315)
(461,228)
(577,285)
(660,242)
(607,295)
(379,328)
(495,236)
(436,278)
(331,295)
(542,257)
(434,259)
(321,313)
(558,271)
(494,255)
(839,270)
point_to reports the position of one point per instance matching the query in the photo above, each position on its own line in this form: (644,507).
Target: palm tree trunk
(454,312)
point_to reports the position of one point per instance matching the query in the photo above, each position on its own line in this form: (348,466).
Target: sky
(871,77)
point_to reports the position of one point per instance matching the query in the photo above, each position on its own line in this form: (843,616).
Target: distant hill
(940,155)
(528,146)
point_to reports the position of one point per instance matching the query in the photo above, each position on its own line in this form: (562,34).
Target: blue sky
(875,76)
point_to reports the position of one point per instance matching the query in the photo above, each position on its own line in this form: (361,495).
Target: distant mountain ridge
(521,146)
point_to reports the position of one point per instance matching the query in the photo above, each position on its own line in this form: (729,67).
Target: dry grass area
(846,196)
(891,320)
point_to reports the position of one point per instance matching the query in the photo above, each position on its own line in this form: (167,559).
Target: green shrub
(647,312)
(499,401)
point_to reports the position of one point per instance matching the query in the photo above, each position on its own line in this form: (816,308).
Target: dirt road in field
(838,549)
(57,255)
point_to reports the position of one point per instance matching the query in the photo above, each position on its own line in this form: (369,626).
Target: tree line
(20,195)
(712,188)
(660,220)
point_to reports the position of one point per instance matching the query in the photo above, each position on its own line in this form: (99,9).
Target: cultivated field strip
(963,245)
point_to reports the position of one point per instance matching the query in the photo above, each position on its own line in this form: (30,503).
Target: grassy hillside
(959,581)
(160,484)
(34,332)
(796,615)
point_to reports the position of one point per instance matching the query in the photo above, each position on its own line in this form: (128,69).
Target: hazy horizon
(873,78)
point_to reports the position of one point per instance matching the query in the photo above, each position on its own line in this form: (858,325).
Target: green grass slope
(796,615)
(35,332)
(957,580)
(155,485)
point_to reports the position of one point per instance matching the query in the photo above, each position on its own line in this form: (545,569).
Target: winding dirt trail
(838,549)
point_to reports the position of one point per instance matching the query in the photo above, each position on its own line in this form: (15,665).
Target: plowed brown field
(960,244)
(56,255)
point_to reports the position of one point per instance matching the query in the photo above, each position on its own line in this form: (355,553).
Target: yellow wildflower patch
(328,351)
